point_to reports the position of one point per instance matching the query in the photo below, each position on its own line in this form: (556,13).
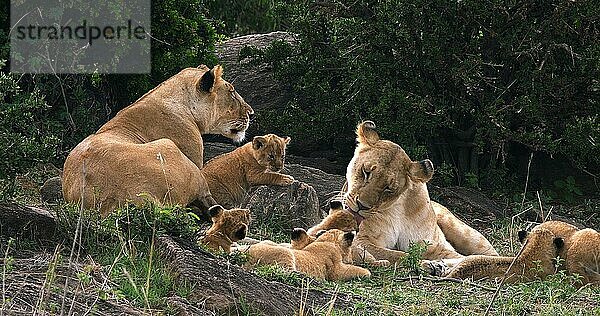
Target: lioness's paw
(286,180)
(380,263)
(436,268)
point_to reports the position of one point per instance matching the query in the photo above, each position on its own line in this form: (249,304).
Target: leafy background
(478,87)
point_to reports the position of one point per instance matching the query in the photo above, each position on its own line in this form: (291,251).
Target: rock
(327,186)
(51,190)
(26,221)
(183,307)
(38,285)
(255,83)
(296,205)
(220,285)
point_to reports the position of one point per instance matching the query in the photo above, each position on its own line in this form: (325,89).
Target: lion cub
(341,219)
(580,250)
(322,259)
(231,175)
(228,227)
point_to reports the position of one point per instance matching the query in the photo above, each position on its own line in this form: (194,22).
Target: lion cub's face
(380,172)
(231,223)
(234,114)
(269,151)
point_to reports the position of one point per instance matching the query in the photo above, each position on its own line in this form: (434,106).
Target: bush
(466,78)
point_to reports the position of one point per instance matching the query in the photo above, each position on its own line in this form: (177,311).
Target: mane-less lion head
(232,223)
(232,113)
(269,151)
(380,172)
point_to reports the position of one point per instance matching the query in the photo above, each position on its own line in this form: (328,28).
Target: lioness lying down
(154,146)
(388,192)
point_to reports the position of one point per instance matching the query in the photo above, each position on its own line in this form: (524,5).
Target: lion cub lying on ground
(580,250)
(343,220)
(322,259)
(231,175)
(228,227)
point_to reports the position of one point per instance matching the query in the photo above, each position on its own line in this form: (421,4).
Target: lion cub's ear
(522,235)
(349,237)
(210,78)
(366,133)
(335,206)
(421,170)
(559,243)
(215,211)
(258,142)
(286,140)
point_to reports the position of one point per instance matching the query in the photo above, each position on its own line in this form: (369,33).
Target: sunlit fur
(231,175)
(322,259)
(389,191)
(229,226)
(154,146)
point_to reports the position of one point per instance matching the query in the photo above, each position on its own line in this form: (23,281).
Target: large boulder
(255,83)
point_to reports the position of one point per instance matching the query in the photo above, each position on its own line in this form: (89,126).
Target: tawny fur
(229,226)
(389,191)
(322,259)
(231,175)
(154,146)
(579,249)
(536,261)
(341,219)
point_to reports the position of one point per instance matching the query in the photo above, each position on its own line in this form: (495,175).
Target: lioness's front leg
(379,252)
(267,177)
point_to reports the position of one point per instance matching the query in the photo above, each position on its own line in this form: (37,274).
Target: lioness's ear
(208,80)
(421,170)
(522,235)
(215,210)
(366,133)
(258,142)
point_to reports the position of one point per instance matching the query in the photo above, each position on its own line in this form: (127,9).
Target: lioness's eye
(366,174)
(271,157)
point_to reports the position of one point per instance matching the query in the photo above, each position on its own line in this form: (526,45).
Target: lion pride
(154,147)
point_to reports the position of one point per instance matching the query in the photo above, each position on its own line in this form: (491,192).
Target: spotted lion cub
(228,227)
(231,175)
(321,259)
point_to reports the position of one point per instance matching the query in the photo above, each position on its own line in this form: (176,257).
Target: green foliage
(124,242)
(567,190)
(279,274)
(414,255)
(25,138)
(469,79)
(244,17)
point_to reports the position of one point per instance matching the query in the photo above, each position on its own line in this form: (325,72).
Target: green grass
(122,245)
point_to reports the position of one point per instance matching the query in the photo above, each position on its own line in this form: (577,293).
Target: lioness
(389,193)
(154,146)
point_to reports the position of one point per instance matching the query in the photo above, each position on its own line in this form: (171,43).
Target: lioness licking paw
(231,175)
(388,192)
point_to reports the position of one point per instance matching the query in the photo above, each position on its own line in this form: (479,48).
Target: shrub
(466,78)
